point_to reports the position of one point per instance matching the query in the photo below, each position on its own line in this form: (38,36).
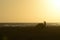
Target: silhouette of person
(40,26)
(44,23)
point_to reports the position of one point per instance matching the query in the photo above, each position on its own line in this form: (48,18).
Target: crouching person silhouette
(41,25)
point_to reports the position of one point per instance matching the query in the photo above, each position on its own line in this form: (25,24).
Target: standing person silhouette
(45,24)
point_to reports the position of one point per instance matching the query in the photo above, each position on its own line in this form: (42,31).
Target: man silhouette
(44,24)
(40,26)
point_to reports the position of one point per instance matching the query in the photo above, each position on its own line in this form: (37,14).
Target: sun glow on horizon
(56,3)
(30,11)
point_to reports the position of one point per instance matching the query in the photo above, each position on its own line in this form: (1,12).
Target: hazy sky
(29,10)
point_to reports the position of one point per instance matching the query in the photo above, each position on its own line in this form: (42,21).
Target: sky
(27,11)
